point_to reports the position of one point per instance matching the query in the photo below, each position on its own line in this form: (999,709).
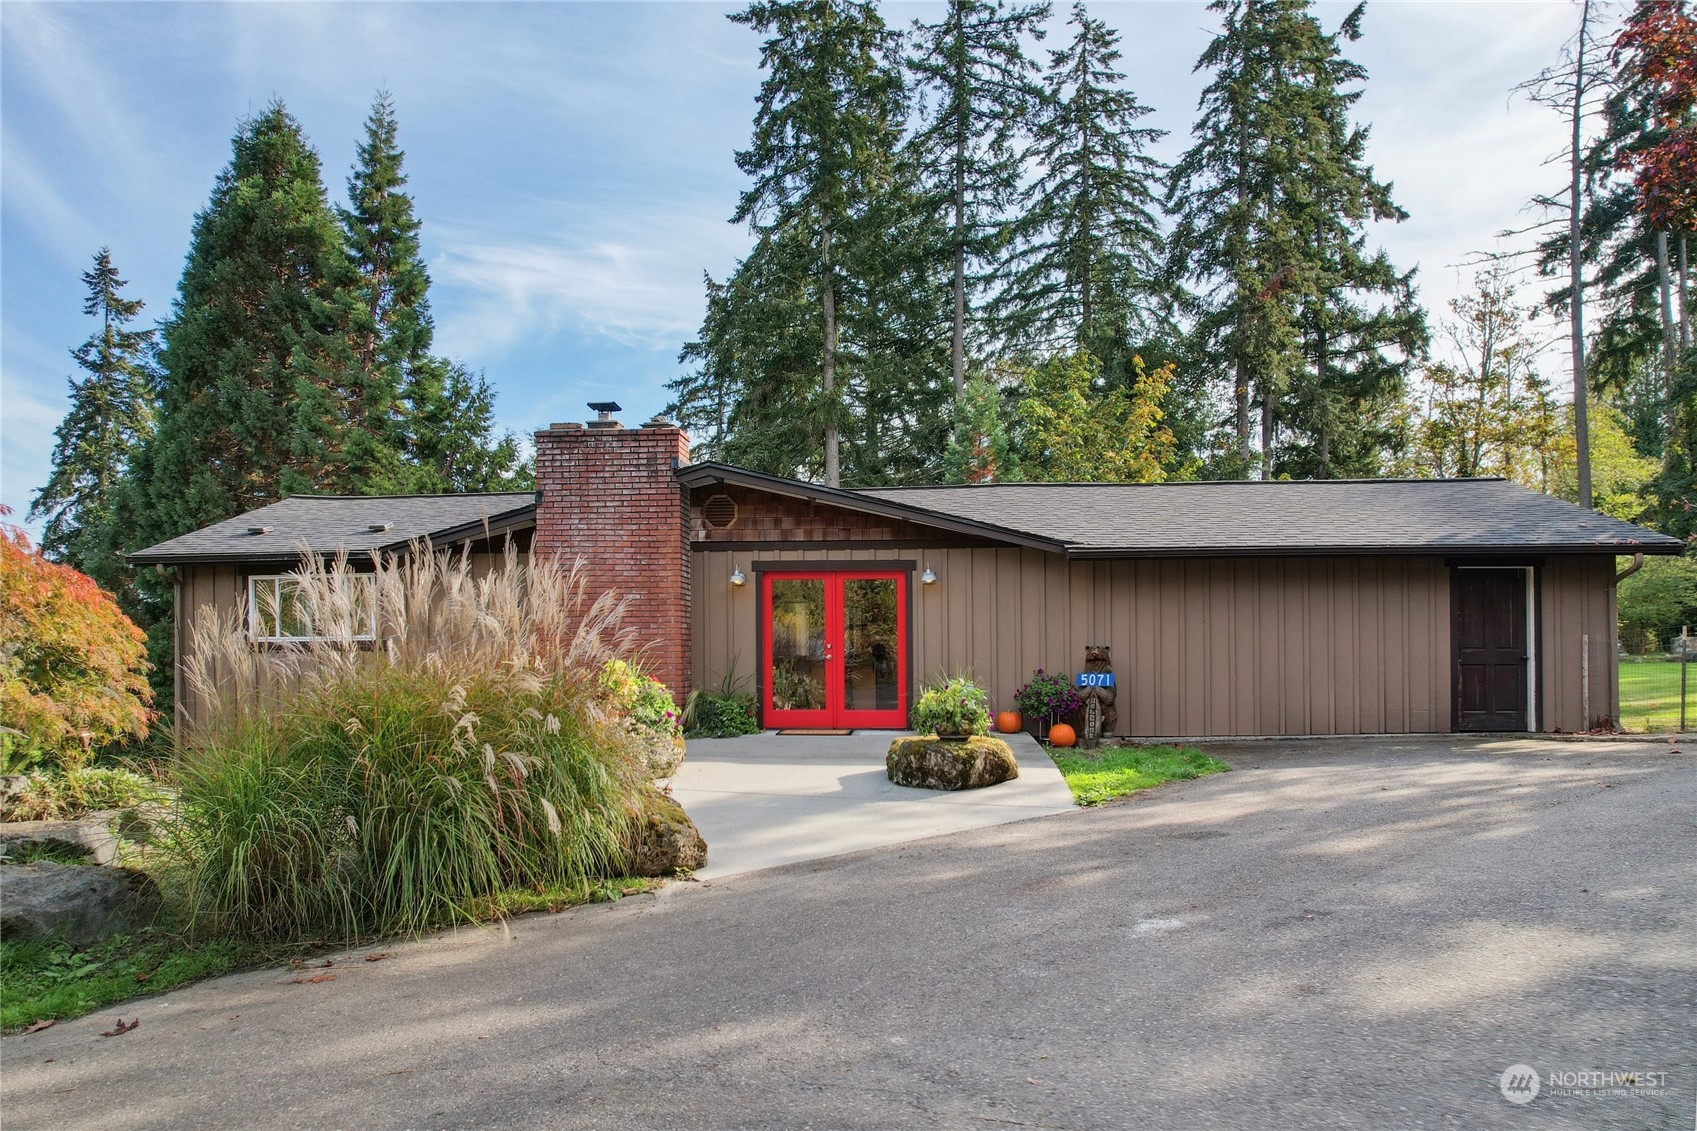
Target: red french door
(835,650)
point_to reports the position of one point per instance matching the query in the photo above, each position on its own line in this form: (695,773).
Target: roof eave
(503,523)
(1673,546)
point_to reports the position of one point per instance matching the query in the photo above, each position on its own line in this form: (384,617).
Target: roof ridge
(1188,483)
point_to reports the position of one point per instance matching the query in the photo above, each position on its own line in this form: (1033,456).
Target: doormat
(816,732)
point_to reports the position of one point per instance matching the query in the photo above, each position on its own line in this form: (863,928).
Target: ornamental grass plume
(438,741)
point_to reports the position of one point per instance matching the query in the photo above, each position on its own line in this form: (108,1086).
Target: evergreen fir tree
(979,450)
(1271,203)
(111,414)
(452,439)
(260,393)
(831,316)
(442,420)
(1084,264)
(972,67)
(1361,326)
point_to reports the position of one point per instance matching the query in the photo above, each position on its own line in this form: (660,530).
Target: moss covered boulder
(664,841)
(928,762)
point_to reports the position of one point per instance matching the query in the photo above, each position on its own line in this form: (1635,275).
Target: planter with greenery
(956,708)
(1048,698)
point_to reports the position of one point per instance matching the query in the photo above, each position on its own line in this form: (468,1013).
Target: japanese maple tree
(72,666)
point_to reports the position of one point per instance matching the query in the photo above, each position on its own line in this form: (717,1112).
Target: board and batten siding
(1576,642)
(1201,646)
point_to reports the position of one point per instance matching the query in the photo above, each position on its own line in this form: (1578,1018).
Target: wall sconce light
(928,577)
(737,578)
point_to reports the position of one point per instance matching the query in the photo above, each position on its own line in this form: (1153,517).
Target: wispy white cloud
(631,279)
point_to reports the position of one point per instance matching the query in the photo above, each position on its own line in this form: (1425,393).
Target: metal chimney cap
(606,406)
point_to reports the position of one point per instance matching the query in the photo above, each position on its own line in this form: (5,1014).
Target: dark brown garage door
(1490,649)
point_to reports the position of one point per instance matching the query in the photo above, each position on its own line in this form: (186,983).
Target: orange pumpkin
(1008,722)
(1062,735)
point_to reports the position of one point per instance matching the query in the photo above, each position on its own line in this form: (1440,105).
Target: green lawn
(1649,695)
(54,981)
(1095,776)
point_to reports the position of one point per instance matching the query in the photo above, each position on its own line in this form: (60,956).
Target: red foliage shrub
(72,665)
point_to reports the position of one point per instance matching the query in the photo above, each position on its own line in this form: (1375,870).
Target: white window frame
(276,580)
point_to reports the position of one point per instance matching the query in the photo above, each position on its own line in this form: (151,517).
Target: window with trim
(277,615)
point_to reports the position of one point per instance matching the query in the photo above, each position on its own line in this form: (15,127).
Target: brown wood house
(1237,608)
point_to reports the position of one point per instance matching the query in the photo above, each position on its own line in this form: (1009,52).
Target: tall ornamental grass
(346,788)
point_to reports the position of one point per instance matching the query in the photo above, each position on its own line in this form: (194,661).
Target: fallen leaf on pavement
(121,1027)
(1029,1080)
(314,979)
(378,957)
(46,1023)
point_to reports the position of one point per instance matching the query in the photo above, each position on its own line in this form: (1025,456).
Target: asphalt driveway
(1334,935)
(770,799)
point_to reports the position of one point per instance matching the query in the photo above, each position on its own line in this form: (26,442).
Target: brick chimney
(610,496)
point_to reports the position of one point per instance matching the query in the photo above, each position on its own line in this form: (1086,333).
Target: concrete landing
(766,799)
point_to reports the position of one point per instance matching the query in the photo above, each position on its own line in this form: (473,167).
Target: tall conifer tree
(1084,266)
(111,415)
(824,333)
(1271,203)
(442,423)
(259,391)
(982,87)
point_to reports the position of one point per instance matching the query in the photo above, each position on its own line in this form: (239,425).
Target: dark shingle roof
(326,524)
(1325,516)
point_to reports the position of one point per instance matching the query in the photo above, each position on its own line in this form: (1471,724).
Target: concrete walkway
(770,799)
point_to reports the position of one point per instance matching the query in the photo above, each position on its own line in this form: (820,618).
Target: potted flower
(956,709)
(1048,698)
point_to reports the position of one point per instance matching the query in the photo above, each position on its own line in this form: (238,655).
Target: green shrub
(341,791)
(720,714)
(957,706)
(52,795)
(642,699)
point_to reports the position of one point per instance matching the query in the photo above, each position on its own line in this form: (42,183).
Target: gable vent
(719,512)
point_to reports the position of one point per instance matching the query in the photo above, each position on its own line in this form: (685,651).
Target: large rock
(87,838)
(931,763)
(665,841)
(79,903)
(662,754)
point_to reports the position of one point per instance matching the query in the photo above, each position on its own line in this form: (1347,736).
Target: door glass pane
(869,645)
(798,644)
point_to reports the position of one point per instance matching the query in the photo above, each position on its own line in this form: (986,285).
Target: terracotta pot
(1062,734)
(1009,722)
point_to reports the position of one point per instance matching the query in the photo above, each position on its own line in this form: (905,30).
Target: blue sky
(572,162)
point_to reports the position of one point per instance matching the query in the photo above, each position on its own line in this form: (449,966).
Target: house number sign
(1095,679)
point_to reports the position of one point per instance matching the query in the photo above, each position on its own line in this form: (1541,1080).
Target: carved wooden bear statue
(1097,716)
